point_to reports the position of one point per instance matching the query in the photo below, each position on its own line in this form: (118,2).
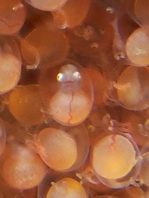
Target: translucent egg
(47,5)
(67,92)
(132,88)
(10,11)
(10,64)
(61,150)
(72,13)
(67,188)
(26,105)
(39,48)
(21,167)
(137,47)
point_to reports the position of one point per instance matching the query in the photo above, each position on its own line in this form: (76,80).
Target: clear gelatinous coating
(67,188)
(2,136)
(26,105)
(10,12)
(133,89)
(57,148)
(38,47)
(137,47)
(67,92)
(113,156)
(47,5)
(21,167)
(72,13)
(141,11)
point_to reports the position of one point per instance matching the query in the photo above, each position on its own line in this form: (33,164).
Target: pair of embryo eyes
(68,73)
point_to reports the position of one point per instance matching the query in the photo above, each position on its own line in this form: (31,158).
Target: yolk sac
(58,148)
(63,150)
(21,167)
(10,69)
(137,47)
(72,13)
(40,48)
(25,104)
(113,157)
(10,12)
(132,88)
(114,160)
(68,94)
(10,64)
(67,188)
(47,5)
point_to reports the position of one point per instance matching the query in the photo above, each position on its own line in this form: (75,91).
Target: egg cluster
(74,98)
